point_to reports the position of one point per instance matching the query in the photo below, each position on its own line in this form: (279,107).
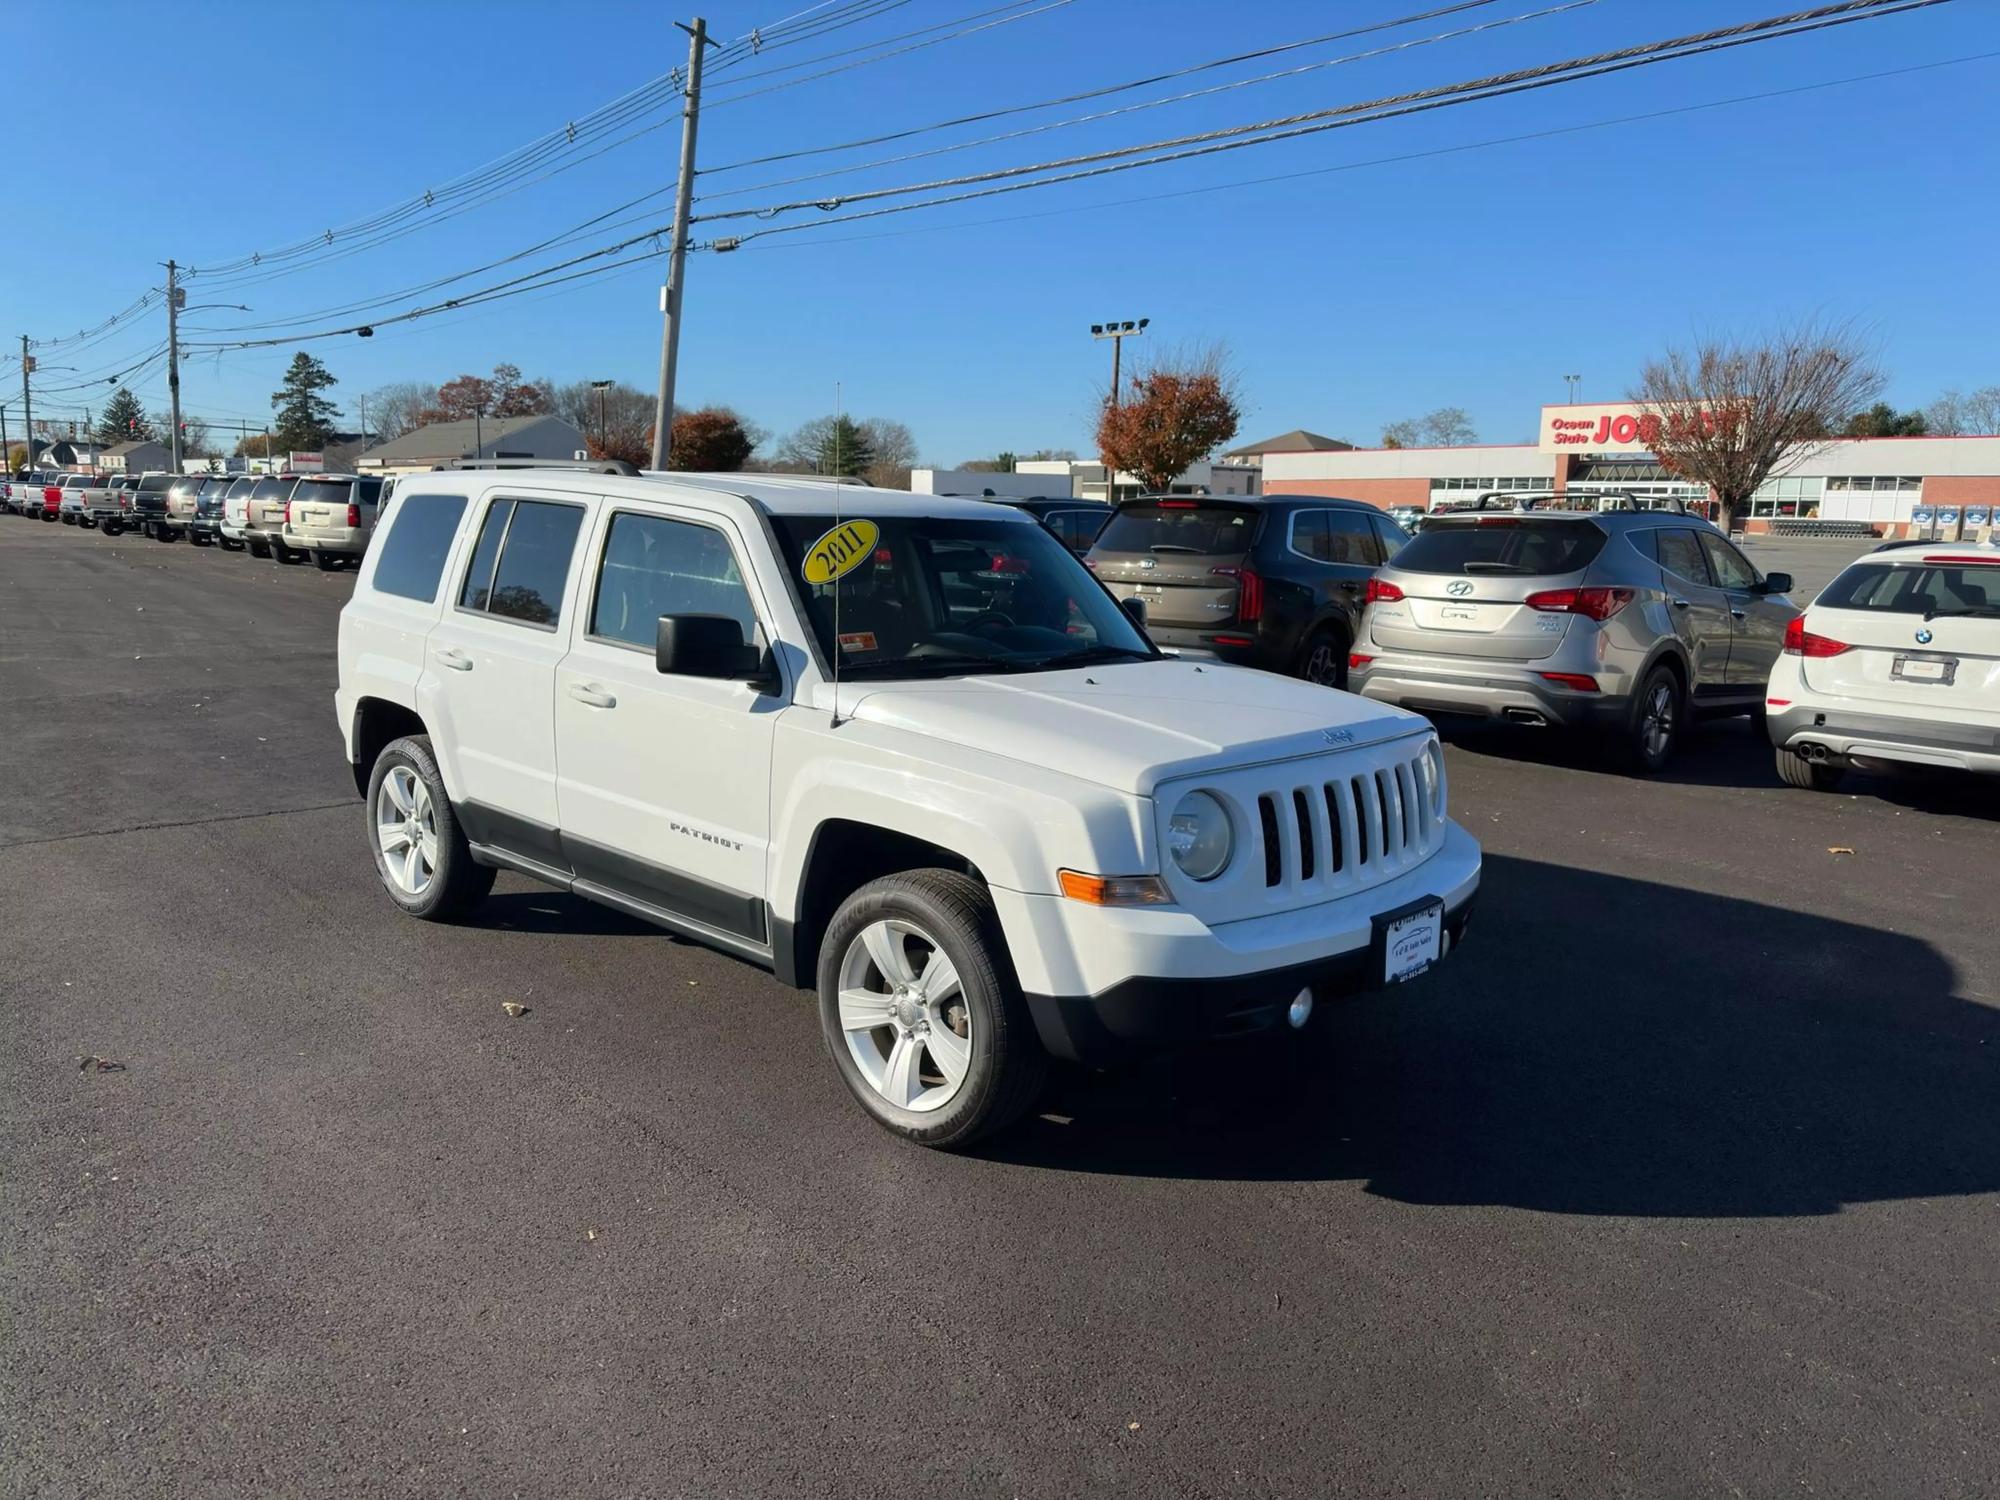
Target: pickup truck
(34,495)
(83,498)
(903,750)
(149,506)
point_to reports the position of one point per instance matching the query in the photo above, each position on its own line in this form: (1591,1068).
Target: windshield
(1928,589)
(1501,544)
(937,596)
(1179,526)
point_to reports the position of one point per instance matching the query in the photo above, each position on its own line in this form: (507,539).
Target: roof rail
(582,466)
(1599,500)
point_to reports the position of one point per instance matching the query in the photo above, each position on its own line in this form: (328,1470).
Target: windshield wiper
(1089,656)
(1970,612)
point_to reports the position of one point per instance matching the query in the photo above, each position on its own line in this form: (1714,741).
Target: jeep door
(492,658)
(665,781)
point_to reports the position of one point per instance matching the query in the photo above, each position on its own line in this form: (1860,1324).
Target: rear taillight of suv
(1380,591)
(353,517)
(1249,590)
(1595,604)
(1800,641)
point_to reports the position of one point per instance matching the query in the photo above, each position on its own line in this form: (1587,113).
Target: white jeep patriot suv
(902,749)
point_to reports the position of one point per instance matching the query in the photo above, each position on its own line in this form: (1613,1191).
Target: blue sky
(1369,290)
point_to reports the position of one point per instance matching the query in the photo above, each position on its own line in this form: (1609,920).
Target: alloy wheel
(904,1017)
(1656,731)
(406,830)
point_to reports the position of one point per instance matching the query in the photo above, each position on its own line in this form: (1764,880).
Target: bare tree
(1732,413)
(893,453)
(1955,413)
(1447,427)
(397,408)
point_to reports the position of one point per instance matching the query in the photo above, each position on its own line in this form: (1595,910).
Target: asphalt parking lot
(1683,1177)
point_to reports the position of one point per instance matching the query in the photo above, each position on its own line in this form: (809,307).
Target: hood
(1132,725)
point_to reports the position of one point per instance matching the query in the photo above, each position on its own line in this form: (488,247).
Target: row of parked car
(291,517)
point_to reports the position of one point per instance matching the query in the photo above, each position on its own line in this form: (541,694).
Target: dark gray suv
(1621,620)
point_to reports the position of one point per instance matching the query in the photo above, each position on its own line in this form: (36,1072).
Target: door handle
(592,694)
(1680,604)
(456,659)
(1736,614)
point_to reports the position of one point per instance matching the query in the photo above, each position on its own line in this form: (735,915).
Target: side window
(1390,535)
(654,566)
(1732,568)
(521,565)
(1309,534)
(1350,540)
(367,491)
(410,560)
(1680,554)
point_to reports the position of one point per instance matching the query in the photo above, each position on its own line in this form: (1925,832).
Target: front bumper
(1105,982)
(1865,739)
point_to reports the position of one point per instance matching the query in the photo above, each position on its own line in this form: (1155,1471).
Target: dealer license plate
(1924,668)
(1410,939)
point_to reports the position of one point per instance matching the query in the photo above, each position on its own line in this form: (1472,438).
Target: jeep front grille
(1353,829)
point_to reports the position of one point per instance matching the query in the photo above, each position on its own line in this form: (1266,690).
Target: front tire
(421,853)
(1658,712)
(921,1012)
(1323,660)
(1810,776)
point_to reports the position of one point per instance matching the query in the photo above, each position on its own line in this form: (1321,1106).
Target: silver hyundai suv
(1616,619)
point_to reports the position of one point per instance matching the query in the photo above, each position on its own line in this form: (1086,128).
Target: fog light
(1301,1009)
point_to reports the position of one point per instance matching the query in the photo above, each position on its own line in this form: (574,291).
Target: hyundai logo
(1458,588)
(1924,637)
(1148,562)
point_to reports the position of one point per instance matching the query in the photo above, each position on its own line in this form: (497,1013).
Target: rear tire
(258,549)
(227,545)
(406,796)
(113,528)
(1323,659)
(1659,712)
(1796,770)
(968,1060)
(289,556)
(323,562)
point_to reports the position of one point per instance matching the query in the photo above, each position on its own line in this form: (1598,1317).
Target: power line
(863,62)
(1314,122)
(1098,205)
(1124,109)
(1098,93)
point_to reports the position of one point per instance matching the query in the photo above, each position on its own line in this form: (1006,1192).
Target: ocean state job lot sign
(1599,427)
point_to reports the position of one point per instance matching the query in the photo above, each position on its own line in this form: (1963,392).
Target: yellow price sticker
(840,551)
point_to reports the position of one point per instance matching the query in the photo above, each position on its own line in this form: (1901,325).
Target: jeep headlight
(1199,837)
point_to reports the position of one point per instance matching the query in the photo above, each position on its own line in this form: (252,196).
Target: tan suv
(264,518)
(332,516)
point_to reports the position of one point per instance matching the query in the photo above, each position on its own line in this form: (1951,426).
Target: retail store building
(1894,484)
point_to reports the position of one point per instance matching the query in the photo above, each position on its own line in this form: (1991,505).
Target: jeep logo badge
(1337,736)
(1458,588)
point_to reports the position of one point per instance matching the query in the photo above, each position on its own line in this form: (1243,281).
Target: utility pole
(670,296)
(174,364)
(478,431)
(5,446)
(603,432)
(1117,333)
(27,405)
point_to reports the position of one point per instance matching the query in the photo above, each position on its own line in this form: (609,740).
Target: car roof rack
(577,465)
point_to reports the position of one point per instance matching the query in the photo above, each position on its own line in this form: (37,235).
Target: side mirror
(709,646)
(1136,608)
(1777,583)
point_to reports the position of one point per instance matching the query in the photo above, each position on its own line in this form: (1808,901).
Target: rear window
(334,491)
(272,489)
(1918,589)
(1179,526)
(1502,544)
(411,560)
(153,483)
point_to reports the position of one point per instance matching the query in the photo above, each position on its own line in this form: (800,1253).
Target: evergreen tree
(305,417)
(845,448)
(124,419)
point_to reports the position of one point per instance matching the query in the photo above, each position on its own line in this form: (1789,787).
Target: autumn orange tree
(709,441)
(1176,413)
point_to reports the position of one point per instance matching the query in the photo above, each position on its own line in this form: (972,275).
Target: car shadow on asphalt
(542,909)
(1729,753)
(1601,1046)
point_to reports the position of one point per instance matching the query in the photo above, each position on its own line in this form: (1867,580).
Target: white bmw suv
(901,749)
(1896,664)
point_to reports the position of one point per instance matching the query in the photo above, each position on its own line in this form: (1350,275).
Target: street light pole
(478,431)
(174,364)
(603,431)
(1117,333)
(27,402)
(670,300)
(1575,381)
